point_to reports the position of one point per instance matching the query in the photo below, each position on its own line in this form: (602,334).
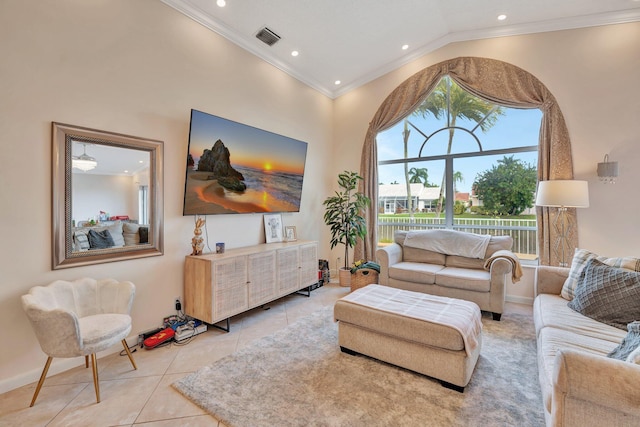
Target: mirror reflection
(106,197)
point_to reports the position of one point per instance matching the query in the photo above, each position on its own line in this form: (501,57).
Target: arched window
(493,81)
(458,161)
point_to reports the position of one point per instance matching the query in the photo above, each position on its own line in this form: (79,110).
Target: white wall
(114,194)
(136,68)
(593,73)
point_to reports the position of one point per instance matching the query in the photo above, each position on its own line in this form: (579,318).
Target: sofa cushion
(552,311)
(498,243)
(417,254)
(399,236)
(81,240)
(100,239)
(464,278)
(608,294)
(417,272)
(630,342)
(144,234)
(449,242)
(115,230)
(579,261)
(464,262)
(130,233)
(550,341)
(423,255)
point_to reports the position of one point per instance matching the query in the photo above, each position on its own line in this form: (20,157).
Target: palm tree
(457,178)
(405,137)
(452,101)
(419,175)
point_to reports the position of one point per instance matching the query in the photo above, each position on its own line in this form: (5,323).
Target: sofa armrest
(386,257)
(549,280)
(590,390)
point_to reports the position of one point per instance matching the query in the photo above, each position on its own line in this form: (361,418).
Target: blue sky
(517,127)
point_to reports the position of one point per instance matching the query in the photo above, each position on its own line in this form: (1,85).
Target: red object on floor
(159,338)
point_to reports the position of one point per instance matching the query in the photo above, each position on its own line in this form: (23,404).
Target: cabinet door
(261,278)
(288,274)
(308,265)
(229,287)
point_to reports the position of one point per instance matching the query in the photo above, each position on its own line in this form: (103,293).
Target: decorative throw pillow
(81,240)
(580,258)
(607,294)
(130,233)
(144,234)
(629,344)
(115,230)
(100,239)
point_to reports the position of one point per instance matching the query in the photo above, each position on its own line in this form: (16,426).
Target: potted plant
(343,216)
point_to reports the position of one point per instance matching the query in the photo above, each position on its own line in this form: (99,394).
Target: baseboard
(519,300)
(58,365)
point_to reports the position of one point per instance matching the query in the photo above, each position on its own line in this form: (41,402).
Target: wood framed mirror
(107,194)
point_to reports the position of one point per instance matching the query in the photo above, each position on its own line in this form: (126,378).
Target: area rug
(299,377)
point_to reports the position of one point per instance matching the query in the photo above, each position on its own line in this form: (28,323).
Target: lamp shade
(563,193)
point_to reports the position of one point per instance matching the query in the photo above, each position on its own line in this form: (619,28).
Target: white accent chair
(80,318)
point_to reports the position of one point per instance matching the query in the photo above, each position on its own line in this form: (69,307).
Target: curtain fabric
(494,81)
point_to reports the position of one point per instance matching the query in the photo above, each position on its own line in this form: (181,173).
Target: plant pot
(344,276)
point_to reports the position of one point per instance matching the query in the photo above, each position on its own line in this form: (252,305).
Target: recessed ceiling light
(295,53)
(502,17)
(405,46)
(337,82)
(221,3)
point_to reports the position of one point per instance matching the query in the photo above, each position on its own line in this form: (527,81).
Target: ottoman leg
(348,351)
(452,386)
(497,316)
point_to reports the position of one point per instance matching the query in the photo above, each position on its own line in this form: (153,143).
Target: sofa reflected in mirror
(94,172)
(107,235)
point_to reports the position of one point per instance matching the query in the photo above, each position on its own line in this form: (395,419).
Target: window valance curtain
(494,81)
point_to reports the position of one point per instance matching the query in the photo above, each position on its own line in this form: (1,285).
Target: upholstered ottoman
(436,336)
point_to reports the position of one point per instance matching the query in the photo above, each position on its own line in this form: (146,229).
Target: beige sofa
(580,385)
(452,273)
(122,234)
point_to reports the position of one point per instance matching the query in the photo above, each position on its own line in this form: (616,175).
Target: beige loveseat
(464,266)
(580,386)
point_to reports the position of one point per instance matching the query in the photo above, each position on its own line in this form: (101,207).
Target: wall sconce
(608,171)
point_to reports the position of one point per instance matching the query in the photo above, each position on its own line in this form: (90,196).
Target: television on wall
(232,168)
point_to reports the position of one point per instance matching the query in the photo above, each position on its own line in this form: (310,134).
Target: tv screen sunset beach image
(235,168)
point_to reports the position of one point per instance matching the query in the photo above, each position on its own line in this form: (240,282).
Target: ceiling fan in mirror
(84,162)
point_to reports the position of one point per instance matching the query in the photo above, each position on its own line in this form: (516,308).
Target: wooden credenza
(218,286)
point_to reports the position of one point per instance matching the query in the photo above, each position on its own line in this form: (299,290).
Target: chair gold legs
(126,348)
(42,377)
(94,366)
(96,384)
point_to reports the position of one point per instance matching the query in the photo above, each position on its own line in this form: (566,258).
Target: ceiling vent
(267,36)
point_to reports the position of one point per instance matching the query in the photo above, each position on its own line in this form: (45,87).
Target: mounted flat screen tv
(233,168)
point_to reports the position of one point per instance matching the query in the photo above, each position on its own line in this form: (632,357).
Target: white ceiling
(112,160)
(356,41)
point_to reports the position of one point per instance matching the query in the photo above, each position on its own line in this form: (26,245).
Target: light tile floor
(145,396)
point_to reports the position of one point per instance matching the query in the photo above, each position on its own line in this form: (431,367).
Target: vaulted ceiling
(355,41)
